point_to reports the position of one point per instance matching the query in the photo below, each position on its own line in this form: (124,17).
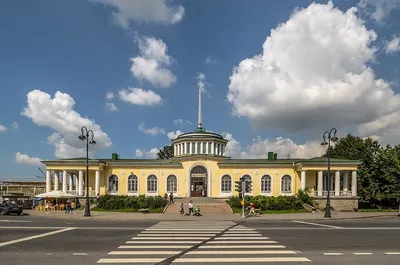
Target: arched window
(266,183)
(286,184)
(172,183)
(152,183)
(246,177)
(226,183)
(132,183)
(113,183)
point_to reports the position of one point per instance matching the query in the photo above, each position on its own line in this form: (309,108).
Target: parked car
(6,209)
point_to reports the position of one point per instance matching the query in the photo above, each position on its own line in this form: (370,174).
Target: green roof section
(200,133)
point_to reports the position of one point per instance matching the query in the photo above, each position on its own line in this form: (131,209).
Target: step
(204,208)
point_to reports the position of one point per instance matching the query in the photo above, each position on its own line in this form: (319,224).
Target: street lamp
(85,136)
(329,136)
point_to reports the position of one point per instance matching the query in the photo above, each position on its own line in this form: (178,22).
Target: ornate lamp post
(329,136)
(85,136)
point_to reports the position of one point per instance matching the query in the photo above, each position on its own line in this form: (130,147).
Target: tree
(166,152)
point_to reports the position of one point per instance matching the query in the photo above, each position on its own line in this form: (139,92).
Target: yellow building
(200,168)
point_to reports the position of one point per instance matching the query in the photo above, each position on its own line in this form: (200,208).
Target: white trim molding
(291,185)
(272,185)
(118,186)
(151,193)
(131,193)
(177,185)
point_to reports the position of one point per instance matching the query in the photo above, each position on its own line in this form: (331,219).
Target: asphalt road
(38,240)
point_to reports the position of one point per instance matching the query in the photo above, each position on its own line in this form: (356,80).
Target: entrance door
(198,187)
(198,182)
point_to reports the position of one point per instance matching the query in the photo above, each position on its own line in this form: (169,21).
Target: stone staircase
(207,205)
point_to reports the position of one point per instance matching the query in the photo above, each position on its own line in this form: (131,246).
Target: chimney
(275,156)
(270,155)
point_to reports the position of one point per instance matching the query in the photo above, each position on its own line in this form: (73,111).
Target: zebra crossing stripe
(131,260)
(238,252)
(144,252)
(236,260)
(243,246)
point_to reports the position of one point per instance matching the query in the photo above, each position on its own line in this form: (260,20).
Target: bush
(268,203)
(111,202)
(304,196)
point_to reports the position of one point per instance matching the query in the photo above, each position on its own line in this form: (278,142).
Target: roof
(200,133)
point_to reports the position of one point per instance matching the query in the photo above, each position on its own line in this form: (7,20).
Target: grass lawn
(131,210)
(239,210)
(378,210)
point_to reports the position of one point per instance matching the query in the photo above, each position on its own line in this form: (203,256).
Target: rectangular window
(204,148)
(187,148)
(193,148)
(209,148)
(199,148)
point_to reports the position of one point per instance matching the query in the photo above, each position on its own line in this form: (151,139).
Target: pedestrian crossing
(195,242)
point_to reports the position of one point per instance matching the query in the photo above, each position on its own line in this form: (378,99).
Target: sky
(274,75)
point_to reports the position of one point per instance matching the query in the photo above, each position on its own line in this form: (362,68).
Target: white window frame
(129,192)
(151,193)
(270,185)
(230,186)
(251,178)
(166,185)
(291,185)
(113,192)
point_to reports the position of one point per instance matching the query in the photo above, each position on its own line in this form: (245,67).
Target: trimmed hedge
(273,203)
(112,202)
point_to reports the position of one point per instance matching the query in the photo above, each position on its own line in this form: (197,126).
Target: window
(226,183)
(266,183)
(152,183)
(172,184)
(246,177)
(286,184)
(187,148)
(113,183)
(193,147)
(204,148)
(132,183)
(209,148)
(198,147)
(222,149)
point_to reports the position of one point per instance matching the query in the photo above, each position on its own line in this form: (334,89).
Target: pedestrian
(97,197)
(73,206)
(68,207)
(171,198)
(47,207)
(181,209)
(190,207)
(252,209)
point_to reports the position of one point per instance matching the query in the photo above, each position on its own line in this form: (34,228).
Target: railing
(346,193)
(332,193)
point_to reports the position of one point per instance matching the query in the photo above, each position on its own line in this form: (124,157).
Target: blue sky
(303,82)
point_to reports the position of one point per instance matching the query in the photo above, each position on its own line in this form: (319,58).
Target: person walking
(73,206)
(171,198)
(182,209)
(68,207)
(190,207)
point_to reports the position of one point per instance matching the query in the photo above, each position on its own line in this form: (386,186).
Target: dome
(200,134)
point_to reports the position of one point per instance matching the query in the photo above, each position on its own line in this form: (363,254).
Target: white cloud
(201,81)
(393,45)
(153,63)
(378,10)
(174,134)
(58,114)
(152,153)
(181,121)
(111,106)
(109,95)
(139,96)
(156,11)
(151,131)
(210,60)
(284,147)
(3,128)
(25,159)
(14,125)
(313,73)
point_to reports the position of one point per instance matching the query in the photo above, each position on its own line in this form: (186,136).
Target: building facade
(200,168)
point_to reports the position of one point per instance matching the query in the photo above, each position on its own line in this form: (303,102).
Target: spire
(200,120)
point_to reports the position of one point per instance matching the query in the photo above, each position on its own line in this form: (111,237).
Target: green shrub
(268,203)
(111,202)
(304,196)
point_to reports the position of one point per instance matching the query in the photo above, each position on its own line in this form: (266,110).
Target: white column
(196,146)
(184,148)
(64,181)
(337,183)
(212,148)
(346,181)
(71,182)
(76,180)
(80,183)
(190,147)
(320,182)
(48,181)
(56,181)
(207,151)
(175,150)
(354,183)
(97,183)
(303,180)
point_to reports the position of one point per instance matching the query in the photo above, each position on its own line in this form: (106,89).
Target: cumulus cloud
(174,134)
(153,63)
(378,10)
(151,131)
(110,95)
(210,60)
(393,45)
(25,159)
(156,11)
(111,107)
(58,114)
(3,128)
(181,121)
(313,73)
(14,125)
(143,153)
(139,96)
(284,147)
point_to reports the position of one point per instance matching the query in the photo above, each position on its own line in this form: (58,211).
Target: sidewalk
(118,216)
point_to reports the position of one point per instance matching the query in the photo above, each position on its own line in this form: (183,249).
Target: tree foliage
(379,173)
(166,152)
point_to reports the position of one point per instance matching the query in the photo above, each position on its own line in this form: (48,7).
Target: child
(181,209)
